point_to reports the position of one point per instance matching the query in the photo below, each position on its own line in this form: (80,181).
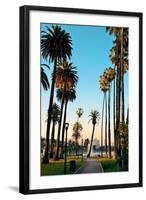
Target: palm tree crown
(66,76)
(44,80)
(77,128)
(104,85)
(94,116)
(56,43)
(109,73)
(55,113)
(79,112)
(69,95)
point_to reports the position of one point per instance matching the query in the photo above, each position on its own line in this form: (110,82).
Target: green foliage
(110,166)
(58,168)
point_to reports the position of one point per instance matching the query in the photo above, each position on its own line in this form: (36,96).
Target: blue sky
(91,47)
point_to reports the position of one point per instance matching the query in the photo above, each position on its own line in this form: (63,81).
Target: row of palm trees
(77,127)
(56,47)
(105,85)
(115,75)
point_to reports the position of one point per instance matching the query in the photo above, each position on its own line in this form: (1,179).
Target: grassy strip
(57,167)
(110,165)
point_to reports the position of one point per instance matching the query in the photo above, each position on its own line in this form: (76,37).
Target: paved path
(90,166)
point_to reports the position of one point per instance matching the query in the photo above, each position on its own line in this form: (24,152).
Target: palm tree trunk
(109,127)
(106,123)
(127,119)
(114,125)
(120,87)
(46,159)
(52,140)
(63,129)
(76,146)
(102,126)
(118,92)
(91,141)
(59,129)
(123,103)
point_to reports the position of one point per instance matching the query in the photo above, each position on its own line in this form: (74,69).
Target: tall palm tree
(115,58)
(79,113)
(66,79)
(44,78)
(56,44)
(55,119)
(110,75)
(77,128)
(69,95)
(94,117)
(119,57)
(104,86)
(124,68)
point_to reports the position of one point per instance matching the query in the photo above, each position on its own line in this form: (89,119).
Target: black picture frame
(25,104)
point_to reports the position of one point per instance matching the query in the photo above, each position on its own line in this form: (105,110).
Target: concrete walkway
(90,166)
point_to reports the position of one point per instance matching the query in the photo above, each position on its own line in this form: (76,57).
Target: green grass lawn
(110,165)
(57,167)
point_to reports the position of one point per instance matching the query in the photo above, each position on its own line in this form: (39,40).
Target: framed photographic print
(80,99)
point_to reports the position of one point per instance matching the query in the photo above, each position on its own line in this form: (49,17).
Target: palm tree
(56,45)
(115,59)
(66,79)
(44,78)
(119,57)
(55,119)
(79,112)
(124,69)
(77,128)
(104,86)
(110,75)
(69,95)
(94,117)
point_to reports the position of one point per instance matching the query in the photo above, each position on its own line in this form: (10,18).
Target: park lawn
(57,167)
(109,165)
